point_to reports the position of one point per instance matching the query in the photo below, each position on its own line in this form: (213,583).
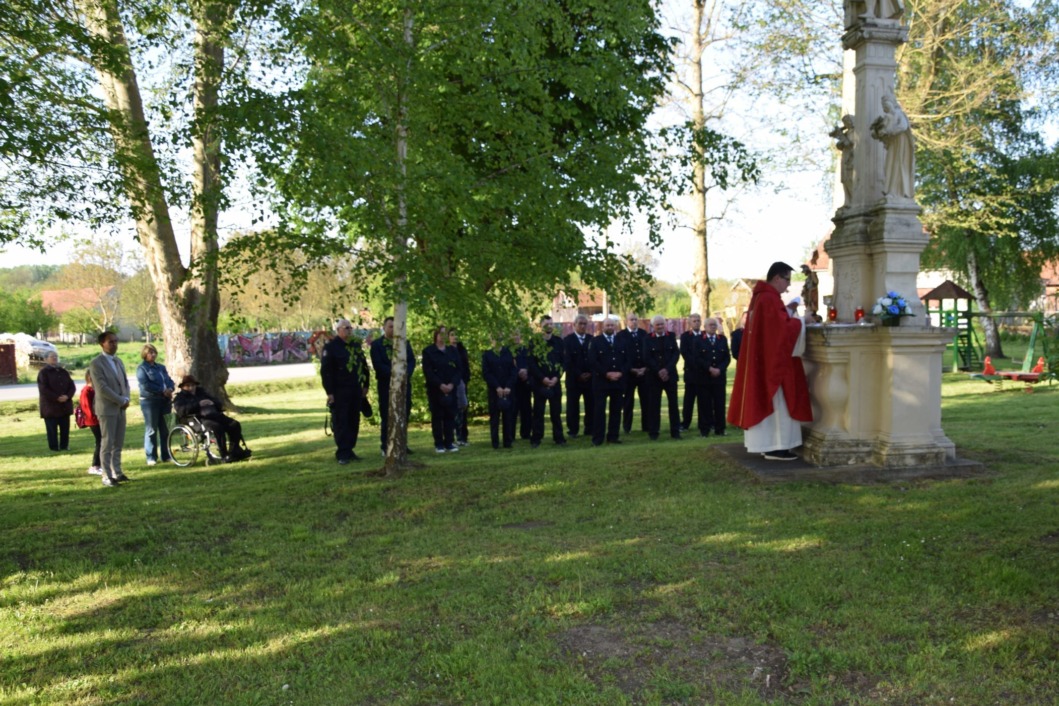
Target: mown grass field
(646,573)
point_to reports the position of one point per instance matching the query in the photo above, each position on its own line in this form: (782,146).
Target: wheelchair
(189,437)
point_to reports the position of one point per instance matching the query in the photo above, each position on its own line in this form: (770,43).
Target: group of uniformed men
(603,374)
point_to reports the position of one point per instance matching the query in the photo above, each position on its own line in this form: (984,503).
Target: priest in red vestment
(770,398)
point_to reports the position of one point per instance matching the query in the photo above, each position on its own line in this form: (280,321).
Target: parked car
(34,349)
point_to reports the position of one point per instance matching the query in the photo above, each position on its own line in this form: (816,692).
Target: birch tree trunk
(397,444)
(700,284)
(188,300)
(981,296)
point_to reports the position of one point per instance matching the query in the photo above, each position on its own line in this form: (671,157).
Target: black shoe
(704,434)
(720,432)
(507,446)
(685,427)
(653,437)
(597,443)
(572,434)
(676,437)
(343,461)
(614,441)
(780,455)
(535,444)
(354,457)
(109,482)
(561,442)
(121,478)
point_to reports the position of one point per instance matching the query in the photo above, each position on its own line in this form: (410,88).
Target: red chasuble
(765,363)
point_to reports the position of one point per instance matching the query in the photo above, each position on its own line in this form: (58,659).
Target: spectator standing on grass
(461,387)
(636,381)
(546,370)
(56,390)
(344,374)
(578,378)
(156,401)
(500,373)
(693,381)
(609,357)
(523,390)
(442,370)
(660,355)
(382,355)
(111,400)
(86,401)
(713,359)
(770,397)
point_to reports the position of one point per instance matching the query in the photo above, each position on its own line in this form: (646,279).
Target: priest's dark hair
(778,268)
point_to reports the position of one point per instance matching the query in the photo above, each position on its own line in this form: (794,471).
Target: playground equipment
(1029,373)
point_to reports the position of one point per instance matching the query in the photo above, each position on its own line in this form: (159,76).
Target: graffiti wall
(265,348)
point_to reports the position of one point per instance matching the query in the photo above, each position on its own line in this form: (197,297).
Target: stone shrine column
(876,390)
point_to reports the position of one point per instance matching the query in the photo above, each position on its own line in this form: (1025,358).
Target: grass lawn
(646,573)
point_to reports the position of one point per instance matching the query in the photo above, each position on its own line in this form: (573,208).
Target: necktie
(610,340)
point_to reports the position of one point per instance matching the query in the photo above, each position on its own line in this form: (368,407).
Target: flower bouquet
(891,308)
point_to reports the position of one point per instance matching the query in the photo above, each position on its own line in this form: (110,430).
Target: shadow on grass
(649,572)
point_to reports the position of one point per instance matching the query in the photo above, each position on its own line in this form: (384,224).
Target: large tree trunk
(700,284)
(981,296)
(188,301)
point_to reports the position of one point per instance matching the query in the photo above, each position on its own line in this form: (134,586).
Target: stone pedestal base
(876,395)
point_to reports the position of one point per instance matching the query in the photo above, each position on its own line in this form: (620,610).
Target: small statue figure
(844,135)
(873,9)
(893,129)
(810,290)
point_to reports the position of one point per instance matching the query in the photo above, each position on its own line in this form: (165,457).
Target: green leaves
(465,150)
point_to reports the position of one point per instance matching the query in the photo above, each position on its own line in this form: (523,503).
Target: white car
(36,349)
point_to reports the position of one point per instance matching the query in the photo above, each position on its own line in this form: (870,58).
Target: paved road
(28,391)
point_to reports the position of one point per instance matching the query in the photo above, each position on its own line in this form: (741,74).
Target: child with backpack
(85,416)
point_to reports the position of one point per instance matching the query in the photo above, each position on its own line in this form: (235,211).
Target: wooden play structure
(950,306)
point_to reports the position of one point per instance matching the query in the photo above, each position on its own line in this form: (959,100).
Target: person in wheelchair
(194,401)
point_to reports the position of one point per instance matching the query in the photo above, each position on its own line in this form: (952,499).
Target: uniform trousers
(575,393)
(606,396)
(655,388)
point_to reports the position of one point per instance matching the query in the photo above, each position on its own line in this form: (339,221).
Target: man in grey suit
(112,399)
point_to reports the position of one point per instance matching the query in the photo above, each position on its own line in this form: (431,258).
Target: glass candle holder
(858,314)
(832,314)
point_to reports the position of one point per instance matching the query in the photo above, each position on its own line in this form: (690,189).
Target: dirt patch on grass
(675,662)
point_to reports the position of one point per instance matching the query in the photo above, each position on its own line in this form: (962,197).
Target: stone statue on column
(893,129)
(844,141)
(873,10)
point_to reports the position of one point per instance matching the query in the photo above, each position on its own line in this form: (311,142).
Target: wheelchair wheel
(209,445)
(183,446)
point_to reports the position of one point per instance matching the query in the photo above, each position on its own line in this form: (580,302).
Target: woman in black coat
(57,390)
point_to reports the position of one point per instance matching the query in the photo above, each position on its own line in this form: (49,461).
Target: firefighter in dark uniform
(546,371)
(609,357)
(661,355)
(523,391)
(578,378)
(713,358)
(500,373)
(344,373)
(694,378)
(635,381)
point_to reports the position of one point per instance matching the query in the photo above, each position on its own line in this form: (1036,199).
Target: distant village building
(63,301)
(591,303)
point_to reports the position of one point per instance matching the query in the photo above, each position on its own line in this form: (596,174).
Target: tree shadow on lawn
(277,560)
